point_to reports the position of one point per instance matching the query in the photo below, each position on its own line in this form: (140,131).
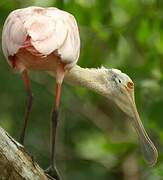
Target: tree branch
(16,163)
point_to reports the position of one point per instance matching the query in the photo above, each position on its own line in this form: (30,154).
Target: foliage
(95,139)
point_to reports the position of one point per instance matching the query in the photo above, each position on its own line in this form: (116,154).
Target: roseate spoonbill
(47,39)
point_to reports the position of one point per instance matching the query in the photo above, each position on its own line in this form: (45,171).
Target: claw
(53,172)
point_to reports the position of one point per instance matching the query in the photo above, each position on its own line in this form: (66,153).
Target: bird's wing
(13,35)
(54,30)
(14,32)
(43,33)
(70,48)
(66,34)
(50,30)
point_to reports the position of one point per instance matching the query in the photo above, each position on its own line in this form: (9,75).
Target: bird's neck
(91,78)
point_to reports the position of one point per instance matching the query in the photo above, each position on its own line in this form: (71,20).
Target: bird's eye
(119,80)
(130,85)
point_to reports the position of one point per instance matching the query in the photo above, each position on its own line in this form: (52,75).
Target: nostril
(130,85)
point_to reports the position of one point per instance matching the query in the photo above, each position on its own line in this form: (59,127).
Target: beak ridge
(148,148)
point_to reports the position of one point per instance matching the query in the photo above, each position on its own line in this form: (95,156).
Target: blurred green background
(95,139)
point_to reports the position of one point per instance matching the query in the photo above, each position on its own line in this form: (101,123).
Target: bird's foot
(53,172)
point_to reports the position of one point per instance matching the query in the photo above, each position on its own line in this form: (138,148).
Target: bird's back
(50,30)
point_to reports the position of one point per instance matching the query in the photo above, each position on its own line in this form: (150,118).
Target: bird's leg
(27,85)
(52,170)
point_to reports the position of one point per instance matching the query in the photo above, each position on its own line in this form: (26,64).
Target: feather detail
(50,30)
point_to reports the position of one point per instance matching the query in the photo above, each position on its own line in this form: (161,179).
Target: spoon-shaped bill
(147,146)
(149,150)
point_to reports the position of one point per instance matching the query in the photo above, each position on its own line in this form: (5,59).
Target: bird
(47,39)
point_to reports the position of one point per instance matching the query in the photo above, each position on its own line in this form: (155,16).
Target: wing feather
(50,30)
(13,35)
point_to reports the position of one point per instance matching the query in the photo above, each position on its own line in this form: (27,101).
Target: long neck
(91,78)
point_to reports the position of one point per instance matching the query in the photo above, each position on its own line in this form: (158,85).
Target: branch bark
(16,163)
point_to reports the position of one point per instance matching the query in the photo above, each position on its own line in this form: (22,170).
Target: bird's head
(121,89)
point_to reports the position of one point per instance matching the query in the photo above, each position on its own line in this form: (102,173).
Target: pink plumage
(50,30)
